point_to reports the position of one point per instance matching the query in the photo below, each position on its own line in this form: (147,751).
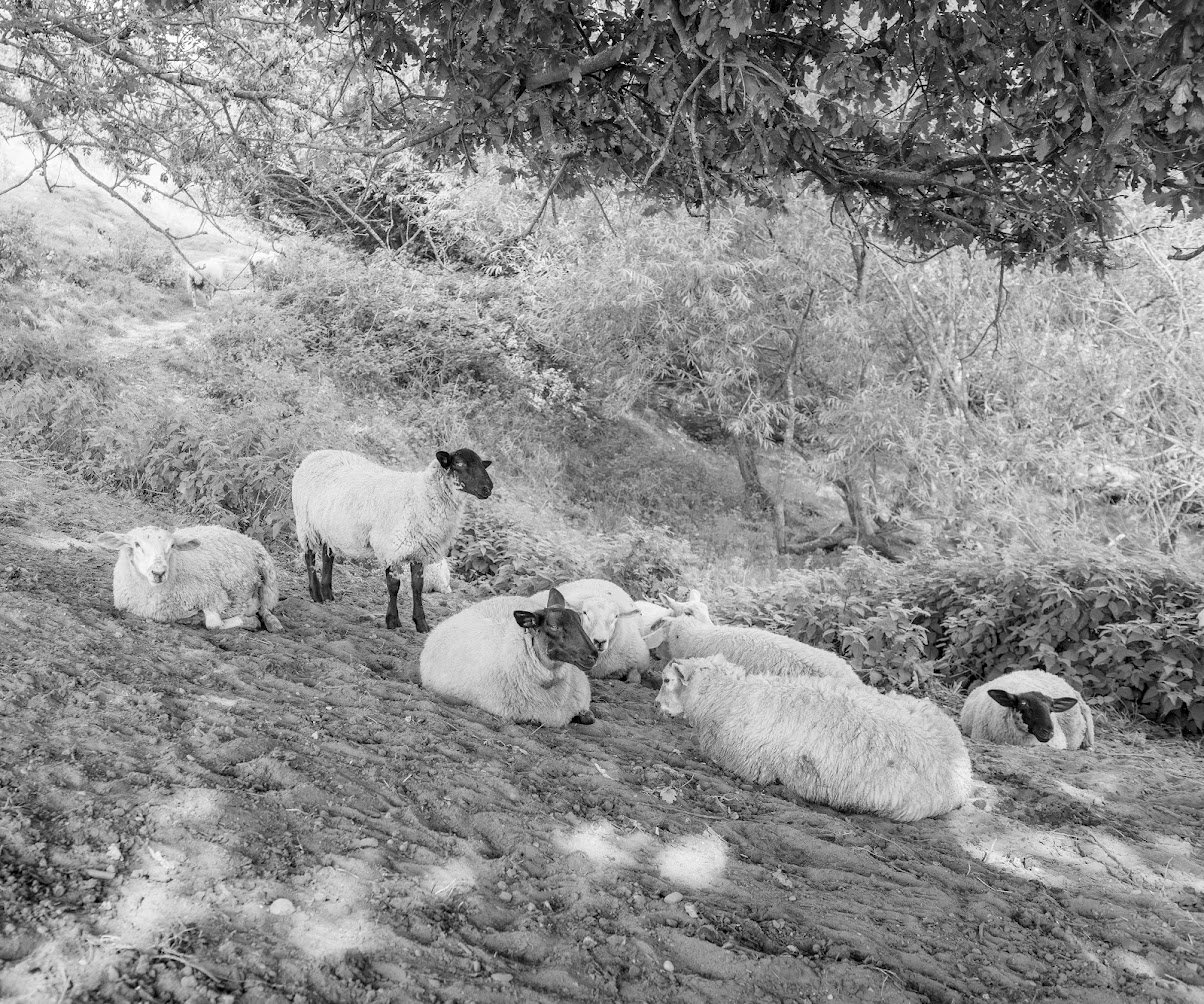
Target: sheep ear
(187,544)
(654,637)
(1063,703)
(528,620)
(555,599)
(693,596)
(1002,697)
(486,463)
(673,673)
(444,459)
(113,541)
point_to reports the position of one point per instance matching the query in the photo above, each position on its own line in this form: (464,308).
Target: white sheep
(690,633)
(265,268)
(347,504)
(171,575)
(1029,707)
(205,276)
(848,747)
(436,578)
(514,659)
(612,621)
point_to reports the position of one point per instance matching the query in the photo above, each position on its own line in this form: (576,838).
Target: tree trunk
(745,449)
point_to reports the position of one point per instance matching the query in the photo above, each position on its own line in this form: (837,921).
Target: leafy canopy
(1009,125)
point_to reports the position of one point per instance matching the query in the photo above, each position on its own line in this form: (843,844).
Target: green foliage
(1125,633)
(20,250)
(144,256)
(24,354)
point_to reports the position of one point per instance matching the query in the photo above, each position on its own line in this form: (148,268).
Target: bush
(28,353)
(20,250)
(1124,632)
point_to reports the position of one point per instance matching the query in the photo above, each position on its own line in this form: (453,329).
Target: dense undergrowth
(992,457)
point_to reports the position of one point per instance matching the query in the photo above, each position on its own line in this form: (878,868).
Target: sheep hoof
(585,718)
(271,622)
(392,621)
(421,626)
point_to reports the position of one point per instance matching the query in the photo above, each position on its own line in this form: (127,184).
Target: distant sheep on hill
(172,575)
(205,276)
(348,504)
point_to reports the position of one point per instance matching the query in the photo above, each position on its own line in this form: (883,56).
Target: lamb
(612,621)
(170,575)
(848,747)
(1029,707)
(345,503)
(690,633)
(205,276)
(513,658)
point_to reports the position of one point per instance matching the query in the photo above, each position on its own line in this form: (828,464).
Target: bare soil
(249,817)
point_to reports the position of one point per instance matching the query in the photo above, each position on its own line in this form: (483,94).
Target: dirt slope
(249,817)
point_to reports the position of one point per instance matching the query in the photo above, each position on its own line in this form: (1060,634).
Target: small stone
(500,977)
(505,897)
(674,897)
(281,907)
(668,966)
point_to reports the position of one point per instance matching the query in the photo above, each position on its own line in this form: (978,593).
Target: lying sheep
(347,504)
(171,575)
(205,276)
(848,747)
(612,621)
(1029,707)
(514,659)
(690,633)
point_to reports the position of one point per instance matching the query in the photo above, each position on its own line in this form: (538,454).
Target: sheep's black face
(567,640)
(468,470)
(1036,710)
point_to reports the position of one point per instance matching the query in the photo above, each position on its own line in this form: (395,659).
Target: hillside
(247,817)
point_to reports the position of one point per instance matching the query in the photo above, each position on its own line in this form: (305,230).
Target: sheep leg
(394,585)
(214,622)
(327,573)
(416,569)
(270,621)
(315,587)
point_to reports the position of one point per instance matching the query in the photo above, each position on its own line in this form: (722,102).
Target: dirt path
(198,817)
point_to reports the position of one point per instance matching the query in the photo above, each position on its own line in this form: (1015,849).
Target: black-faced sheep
(347,504)
(514,659)
(612,620)
(689,633)
(172,575)
(848,747)
(1029,707)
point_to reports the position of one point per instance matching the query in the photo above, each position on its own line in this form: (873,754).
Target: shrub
(20,250)
(1123,631)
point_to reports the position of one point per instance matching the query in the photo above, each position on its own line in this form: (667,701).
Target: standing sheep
(346,504)
(205,276)
(265,268)
(1029,707)
(848,747)
(513,658)
(690,633)
(171,575)
(612,621)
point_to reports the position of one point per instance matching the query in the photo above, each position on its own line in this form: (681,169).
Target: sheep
(205,276)
(348,504)
(1029,707)
(436,578)
(612,621)
(513,658)
(265,267)
(848,747)
(170,575)
(690,633)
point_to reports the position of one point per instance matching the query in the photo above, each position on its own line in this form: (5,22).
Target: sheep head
(467,470)
(1032,711)
(558,632)
(149,549)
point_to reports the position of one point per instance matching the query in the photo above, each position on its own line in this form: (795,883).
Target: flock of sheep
(207,277)
(763,706)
